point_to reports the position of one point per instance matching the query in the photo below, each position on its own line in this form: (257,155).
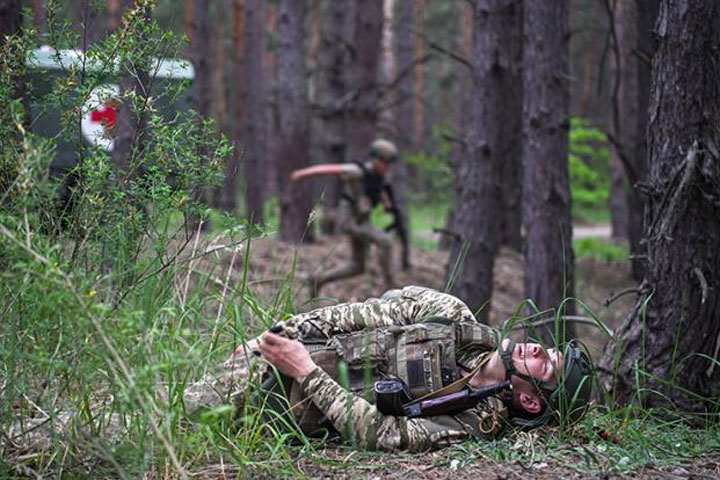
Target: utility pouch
(391,396)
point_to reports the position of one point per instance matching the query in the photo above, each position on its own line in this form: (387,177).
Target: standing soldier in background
(363,188)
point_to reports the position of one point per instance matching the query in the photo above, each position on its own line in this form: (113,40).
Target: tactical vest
(373,186)
(424,355)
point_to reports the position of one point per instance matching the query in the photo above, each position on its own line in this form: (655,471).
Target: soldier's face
(535,361)
(380,167)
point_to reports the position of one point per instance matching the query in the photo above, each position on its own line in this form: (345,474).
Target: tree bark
(647,11)
(10,18)
(39,14)
(623,116)
(465,14)
(494,68)
(227,201)
(251,103)
(549,259)
(510,131)
(293,126)
(332,84)
(363,111)
(419,74)
(670,342)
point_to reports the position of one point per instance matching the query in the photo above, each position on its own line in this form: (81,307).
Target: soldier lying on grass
(428,339)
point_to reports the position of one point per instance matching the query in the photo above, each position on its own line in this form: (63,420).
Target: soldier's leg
(355,266)
(384,243)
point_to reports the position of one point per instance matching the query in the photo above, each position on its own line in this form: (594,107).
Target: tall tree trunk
(494,66)
(294,128)
(465,41)
(511,136)
(549,259)
(623,115)
(671,342)
(363,112)
(197,28)
(647,11)
(419,74)
(39,15)
(89,23)
(10,18)
(251,103)
(271,102)
(227,201)
(332,84)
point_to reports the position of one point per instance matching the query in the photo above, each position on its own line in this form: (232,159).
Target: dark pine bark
(494,66)
(646,15)
(227,199)
(10,18)
(466,32)
(674,343)
(363,111)
(623,113)
(549,259)
(407,65)
(250,104)
(509,189)
(332,63)
(293,124)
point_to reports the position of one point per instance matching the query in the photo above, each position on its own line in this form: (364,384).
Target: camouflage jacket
(357,419)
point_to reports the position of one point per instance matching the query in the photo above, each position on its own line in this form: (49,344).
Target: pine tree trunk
(362,113)
(549,259)
(623,116)
(10,18)
(449,238)
(39,15)
(227,201)
(419,80)
(294,128)
(251,98)
(495,66)
(672,346)
(329,125)
(647,11)
(509,189)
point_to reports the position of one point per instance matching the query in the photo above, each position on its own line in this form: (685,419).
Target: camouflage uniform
(353,219)
(354,417)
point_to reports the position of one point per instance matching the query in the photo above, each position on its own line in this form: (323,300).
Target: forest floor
(596,282)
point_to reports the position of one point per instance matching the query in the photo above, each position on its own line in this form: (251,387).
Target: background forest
(518,122)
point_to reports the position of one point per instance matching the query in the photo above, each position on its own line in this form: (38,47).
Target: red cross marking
(106,116)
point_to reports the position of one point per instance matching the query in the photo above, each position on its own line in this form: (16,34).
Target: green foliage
(600,249)
(432,179)
(589,170)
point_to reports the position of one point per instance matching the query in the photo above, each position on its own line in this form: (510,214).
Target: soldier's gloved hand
(289,356)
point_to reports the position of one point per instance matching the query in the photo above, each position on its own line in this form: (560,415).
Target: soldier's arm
(396,307)
(356,419)
(345,170)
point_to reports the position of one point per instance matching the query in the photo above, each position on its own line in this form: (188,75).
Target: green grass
(601,249)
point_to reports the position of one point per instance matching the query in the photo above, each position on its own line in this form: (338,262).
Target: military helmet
(569,399)
(383,149)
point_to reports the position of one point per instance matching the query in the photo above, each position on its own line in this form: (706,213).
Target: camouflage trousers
(227,384)
(362,234)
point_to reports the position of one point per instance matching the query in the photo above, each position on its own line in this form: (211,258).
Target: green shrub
(600,249)
(589,170)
